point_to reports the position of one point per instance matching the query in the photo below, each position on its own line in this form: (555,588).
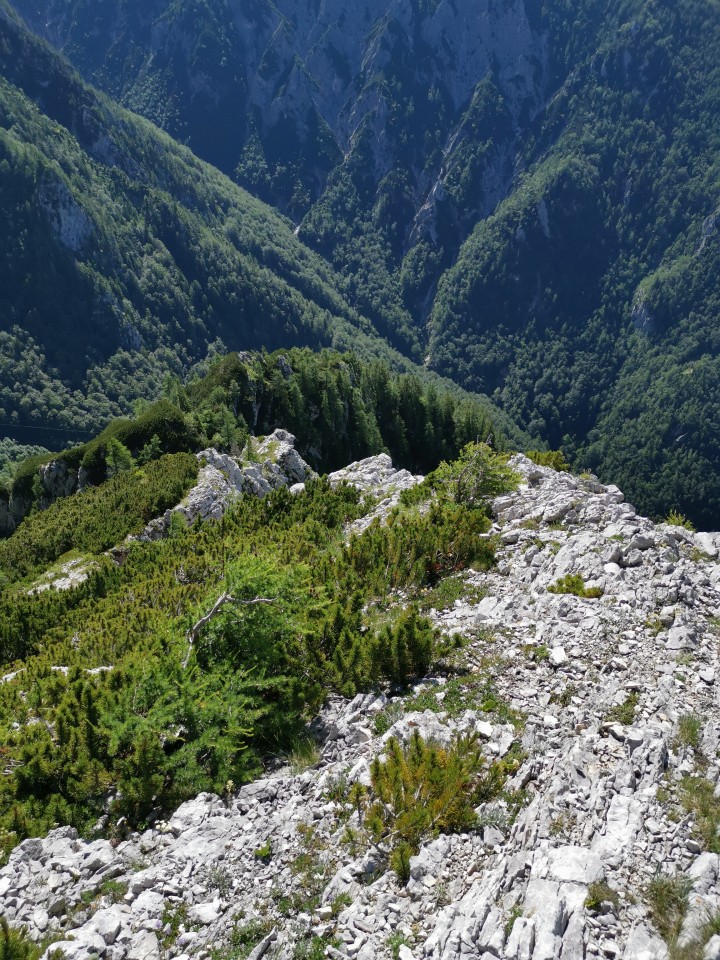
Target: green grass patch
(624,712)
(667,900)
(689,731)
(601,892)
(697,797)
(471,692)
(244,937)
(447,592)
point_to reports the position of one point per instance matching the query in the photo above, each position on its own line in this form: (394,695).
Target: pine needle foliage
(478,474)
(475,477)
(573,583)
(421,791)
(339,408)
(418,548)
(555,459)
(99,517)
(14,945)
(115,699)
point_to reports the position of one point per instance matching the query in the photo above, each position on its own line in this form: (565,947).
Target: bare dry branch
(224,598)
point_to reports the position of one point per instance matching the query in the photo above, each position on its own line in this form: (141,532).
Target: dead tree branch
(224,598)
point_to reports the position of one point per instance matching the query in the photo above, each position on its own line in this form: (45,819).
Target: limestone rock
(222,479)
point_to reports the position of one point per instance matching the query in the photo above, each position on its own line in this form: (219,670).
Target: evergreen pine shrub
(420,791)
(15,945)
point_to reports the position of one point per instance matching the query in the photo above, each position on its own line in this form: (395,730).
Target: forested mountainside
(524,194)
(125,258)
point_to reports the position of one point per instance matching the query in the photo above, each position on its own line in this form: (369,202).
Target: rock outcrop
(376,477)
(269,464)
(610,691)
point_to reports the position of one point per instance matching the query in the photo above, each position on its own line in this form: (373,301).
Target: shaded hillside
(123,256)
(352,118)
(587,304)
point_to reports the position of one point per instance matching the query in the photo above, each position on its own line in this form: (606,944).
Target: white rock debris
(377,477)
(66,576)
(512,889)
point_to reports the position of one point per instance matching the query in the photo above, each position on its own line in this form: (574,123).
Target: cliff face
(286,96)
(602,845)
(303,70)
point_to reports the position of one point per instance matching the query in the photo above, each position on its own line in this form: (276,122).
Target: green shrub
(625,712)
(598,893)
(404,650)
(98,518)
(264,852)
(574,584)
(355,658)
(423,790)
(677,519)
(160,425)
(448,590)
(477,476)
(160,732)
(118,458)
(15,945)
(162,420)
(420,548)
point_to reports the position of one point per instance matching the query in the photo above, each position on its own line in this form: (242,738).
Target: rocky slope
(222,479)
(612,697)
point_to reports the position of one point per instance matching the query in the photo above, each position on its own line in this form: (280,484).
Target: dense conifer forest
(575,284)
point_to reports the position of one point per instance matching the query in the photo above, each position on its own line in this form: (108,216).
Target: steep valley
(522,196)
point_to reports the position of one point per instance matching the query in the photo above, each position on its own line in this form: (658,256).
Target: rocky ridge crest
(269,464)
(603,685)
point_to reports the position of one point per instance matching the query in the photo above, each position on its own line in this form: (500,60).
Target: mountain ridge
(601,815)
